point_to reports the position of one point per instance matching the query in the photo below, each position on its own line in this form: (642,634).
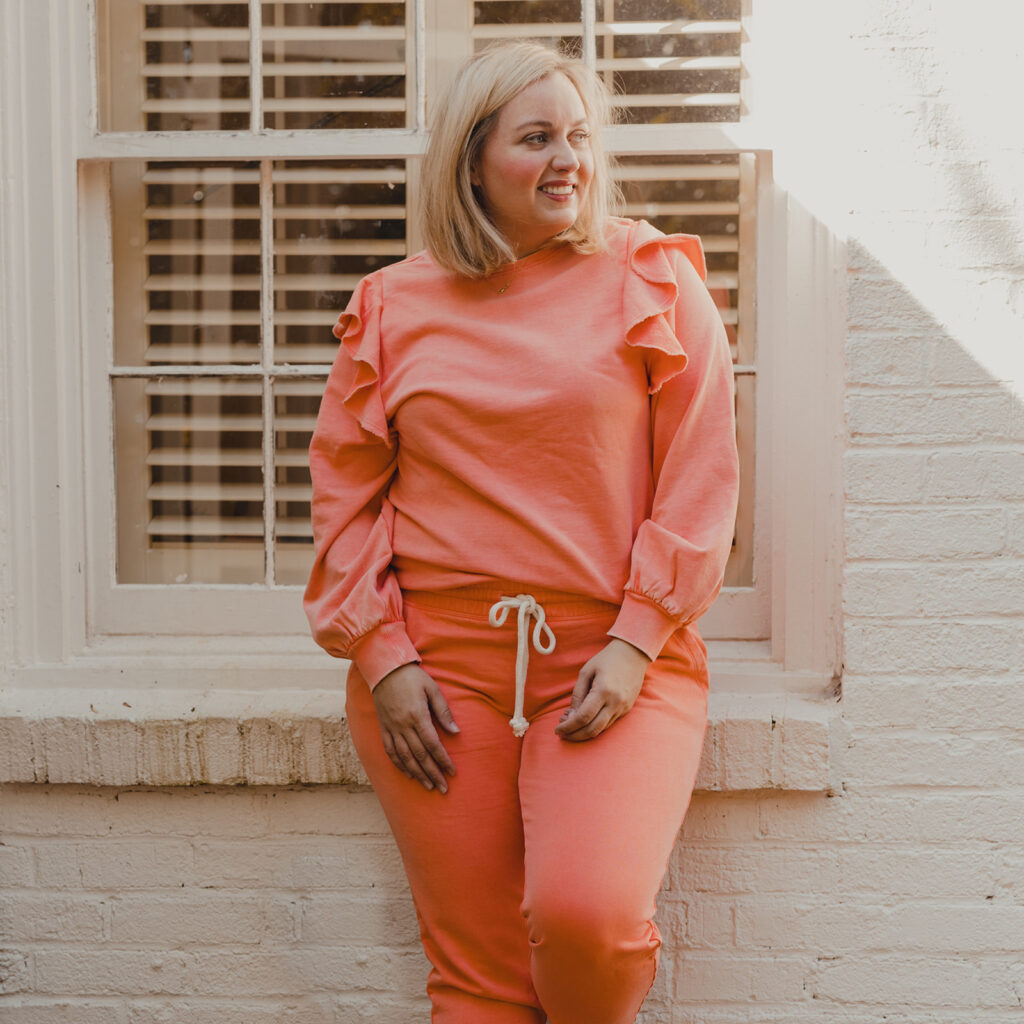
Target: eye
(537,138)
(581,136)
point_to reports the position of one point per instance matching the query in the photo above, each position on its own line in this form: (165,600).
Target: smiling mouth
(558,190)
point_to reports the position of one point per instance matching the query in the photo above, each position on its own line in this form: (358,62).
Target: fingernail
(428,785)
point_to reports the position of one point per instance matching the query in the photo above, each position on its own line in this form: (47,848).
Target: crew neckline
(541,255)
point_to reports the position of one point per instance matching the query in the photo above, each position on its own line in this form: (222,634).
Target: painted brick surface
(899,897)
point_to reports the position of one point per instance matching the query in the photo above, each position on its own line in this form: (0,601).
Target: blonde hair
(458,233)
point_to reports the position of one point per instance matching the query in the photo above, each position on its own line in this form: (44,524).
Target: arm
(352,599)
(679,554)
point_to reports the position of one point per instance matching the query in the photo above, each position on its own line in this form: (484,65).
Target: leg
(463,852)
(600,821)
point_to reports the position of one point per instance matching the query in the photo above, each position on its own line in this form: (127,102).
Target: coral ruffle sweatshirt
(566,422)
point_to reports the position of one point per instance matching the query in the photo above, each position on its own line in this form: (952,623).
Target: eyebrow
(546,124)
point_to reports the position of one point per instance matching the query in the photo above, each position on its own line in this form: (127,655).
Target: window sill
(104,726)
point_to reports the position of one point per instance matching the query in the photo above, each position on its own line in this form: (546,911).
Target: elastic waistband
(477,599)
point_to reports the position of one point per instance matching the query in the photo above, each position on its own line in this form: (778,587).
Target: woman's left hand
(607,687)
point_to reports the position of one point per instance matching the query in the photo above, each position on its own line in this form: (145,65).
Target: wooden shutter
(228,277)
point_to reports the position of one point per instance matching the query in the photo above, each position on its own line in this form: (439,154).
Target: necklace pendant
(503,288)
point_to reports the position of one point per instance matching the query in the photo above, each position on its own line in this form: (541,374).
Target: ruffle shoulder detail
(358,330)
(651,295)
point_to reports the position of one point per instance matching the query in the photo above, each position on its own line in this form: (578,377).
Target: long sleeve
(353,600)
(679,554)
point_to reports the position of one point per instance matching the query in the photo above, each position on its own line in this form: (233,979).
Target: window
(251,162)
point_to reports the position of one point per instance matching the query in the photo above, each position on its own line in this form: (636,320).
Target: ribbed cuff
(643,624)
(382,650)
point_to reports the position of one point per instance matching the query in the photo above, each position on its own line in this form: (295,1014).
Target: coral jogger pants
(535,876)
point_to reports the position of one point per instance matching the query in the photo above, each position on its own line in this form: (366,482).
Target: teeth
(558,190)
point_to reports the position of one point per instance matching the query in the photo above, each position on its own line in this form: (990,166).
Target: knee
(596,925)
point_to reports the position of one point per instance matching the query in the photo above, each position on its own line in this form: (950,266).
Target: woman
(527,438)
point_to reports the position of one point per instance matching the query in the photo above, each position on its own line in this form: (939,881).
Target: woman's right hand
(408,701)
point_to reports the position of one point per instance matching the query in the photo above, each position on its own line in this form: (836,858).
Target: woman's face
(535,166)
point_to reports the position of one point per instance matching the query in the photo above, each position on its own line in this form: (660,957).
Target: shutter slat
(208,352)
(668,64)
(677,99)
(694,209)
(677,172)
(327,104)
(203,282)
(218,423)
(205,526)
(194,457)
(332,33)
(620,28)
(203,318)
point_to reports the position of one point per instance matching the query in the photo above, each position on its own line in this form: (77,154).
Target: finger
(434,747)
(582,716)
(389,749)
(439,706)
(583,684)
(595,727)
(427,762)
(410,762)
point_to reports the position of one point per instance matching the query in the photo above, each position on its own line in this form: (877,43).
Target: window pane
(334,222)
(173,66)
(334,65)
(189,467)
(186,262)
(671,60)
(296,403)
(548,21)
(703,195)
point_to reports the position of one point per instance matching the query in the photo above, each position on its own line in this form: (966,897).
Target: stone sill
(285,737)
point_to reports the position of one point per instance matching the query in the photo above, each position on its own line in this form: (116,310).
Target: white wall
(901,897)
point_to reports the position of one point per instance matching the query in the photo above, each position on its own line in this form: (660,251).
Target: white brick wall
(901,898)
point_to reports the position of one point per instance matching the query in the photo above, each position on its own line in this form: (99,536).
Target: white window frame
(71,623)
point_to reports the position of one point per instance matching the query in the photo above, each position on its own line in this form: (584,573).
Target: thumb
(582,687)
(439,706)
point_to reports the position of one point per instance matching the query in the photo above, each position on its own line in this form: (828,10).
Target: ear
(474,178)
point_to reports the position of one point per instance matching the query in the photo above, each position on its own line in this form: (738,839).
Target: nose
(565,158)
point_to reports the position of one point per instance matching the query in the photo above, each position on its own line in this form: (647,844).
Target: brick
(15,866)
(207,1011)
(115,864)
(989,926)
(1001,982)
(928,647)
(326,810)
(65,811)
(731,816)
(329,919)
(983,704)
(14,972)
(912,872)
(191,811)
(320,863)
(36,917)
(988,817)
(823,925)
(879,302)
(851,817)
(932,590)
(107,972)
(891,478)
(950,364)
(935,417)
(741,978)
(935,759)
(205,919)
(77,1012)
(874,590)
(706,867)
(973,533)
(1015,532)
(886,362)
(978,474)
(893,981)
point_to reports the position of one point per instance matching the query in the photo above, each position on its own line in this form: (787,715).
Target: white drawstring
(527,607)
